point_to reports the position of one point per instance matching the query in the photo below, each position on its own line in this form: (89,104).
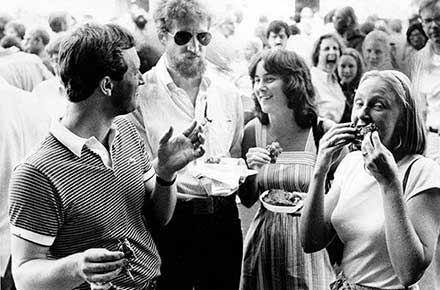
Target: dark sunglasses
(183,37)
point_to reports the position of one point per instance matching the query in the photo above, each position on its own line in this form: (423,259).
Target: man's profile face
(124,96)
(187,59)
(277,40)
(431,21)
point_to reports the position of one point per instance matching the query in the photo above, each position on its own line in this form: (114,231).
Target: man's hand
(100,265)
(175,153)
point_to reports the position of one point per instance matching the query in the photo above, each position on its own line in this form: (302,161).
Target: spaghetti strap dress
(273,257)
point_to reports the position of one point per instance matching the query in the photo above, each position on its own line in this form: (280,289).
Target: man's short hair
(41,33)
(90,53)
(184,11)
(276,26)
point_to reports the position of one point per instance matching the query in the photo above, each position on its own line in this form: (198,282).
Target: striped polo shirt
(73,201)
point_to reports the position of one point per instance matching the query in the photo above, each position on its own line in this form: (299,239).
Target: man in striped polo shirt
(87,185)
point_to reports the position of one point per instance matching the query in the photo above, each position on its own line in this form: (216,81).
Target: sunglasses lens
(204,38)
(182,37)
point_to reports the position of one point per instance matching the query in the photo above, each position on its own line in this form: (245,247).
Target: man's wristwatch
(163,182)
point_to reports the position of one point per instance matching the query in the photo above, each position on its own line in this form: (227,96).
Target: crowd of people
(104,126)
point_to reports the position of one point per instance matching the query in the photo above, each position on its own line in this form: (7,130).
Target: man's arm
(173,154)
(33,270)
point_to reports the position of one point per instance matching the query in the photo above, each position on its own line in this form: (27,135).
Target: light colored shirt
(162,104)
(358,217)
(22,70)
(22,127)
(51,96)
(426,80)
(330,99)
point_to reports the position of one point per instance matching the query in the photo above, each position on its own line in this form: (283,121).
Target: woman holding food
(287,119)
(384,200)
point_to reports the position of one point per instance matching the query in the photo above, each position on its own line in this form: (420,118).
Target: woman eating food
(384,200)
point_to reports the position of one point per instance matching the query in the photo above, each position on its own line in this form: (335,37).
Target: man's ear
(106,86)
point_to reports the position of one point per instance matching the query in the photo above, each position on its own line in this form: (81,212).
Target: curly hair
(297,84)
(89,54)
(185,11)
(317,46)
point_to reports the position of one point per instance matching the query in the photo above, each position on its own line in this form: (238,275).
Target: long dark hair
(297,87)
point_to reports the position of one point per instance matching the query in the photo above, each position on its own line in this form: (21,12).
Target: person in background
(273,257)
(277,34)
(241,79)
(426,79)
(91,184)
(377,51)
(346,25)
(22,70)
(415,41)
(416,36)
(330,100)
(376,199)
(60,21)
(261,28)
(22,127)
(15,28)
(201,247)
(51,93)
(10,41)
(349,72)
(35,42)
(4,19)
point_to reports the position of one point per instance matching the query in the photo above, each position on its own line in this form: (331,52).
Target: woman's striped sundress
(273,257)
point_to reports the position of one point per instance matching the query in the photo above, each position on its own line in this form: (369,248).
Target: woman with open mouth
(330,99)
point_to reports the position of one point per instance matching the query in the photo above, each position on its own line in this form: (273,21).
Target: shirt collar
(165,77)
(75,143)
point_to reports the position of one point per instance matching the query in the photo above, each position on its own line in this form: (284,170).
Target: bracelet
(163,182)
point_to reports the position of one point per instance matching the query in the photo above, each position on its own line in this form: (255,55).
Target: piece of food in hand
(282,198)
(213,160)
(361,131)
(125,247)
(274,151)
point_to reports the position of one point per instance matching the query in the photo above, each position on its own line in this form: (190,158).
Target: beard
(189,68)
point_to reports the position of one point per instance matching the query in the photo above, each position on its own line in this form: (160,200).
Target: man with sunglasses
(201,247)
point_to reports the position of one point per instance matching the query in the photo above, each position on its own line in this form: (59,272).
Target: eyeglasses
(428,21)
(183,37)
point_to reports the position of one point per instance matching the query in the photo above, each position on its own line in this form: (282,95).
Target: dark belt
(207,206)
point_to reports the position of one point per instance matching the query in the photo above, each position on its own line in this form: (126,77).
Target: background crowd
(300,81)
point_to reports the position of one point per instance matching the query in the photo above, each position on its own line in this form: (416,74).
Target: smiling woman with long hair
(273,257)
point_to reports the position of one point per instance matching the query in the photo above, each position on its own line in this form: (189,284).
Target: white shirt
(22,127)
(163,104)
(358,217)
(330,98)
